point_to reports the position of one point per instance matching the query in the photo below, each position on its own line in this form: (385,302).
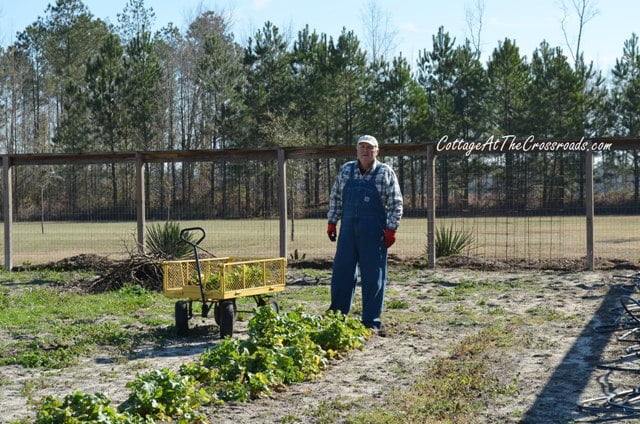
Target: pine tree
(626,103)
(556,113)
(348,70)
(509,79)
(106,93)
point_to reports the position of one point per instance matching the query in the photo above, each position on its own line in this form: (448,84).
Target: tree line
(75,83)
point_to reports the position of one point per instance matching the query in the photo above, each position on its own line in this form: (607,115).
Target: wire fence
(526,206)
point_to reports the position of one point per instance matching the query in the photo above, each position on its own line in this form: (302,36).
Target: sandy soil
(553,374)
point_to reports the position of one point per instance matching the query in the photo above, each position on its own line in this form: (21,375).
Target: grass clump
(398,304)
(543,314)
(467,288)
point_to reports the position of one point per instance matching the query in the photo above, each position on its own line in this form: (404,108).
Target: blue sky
(414,21)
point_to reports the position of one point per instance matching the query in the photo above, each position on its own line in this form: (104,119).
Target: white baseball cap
(369,139)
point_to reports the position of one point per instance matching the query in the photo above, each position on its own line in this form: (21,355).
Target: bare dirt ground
(557,370)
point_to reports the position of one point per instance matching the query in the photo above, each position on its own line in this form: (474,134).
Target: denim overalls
(360,245)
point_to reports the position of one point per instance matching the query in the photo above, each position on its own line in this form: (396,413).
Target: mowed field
(533,238)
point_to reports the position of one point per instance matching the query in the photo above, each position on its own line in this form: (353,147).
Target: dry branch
(142,270)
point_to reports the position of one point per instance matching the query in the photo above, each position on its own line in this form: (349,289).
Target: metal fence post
(588,169)
(140,203)
(7,209)
(282,198)
(431,206)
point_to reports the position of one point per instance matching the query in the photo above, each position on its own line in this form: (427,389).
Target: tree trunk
(543,195)
(444,184)
(174,183)
(508,181)
(212,190)
(223,212)
(189,189)
(316,188)
(401,173)
(307,185)
(423,183)
(266,191)
(581,179)
(465,182)
(413,179)
(561,182)
(114,186)
(247,197)
(162,200)
(636,179)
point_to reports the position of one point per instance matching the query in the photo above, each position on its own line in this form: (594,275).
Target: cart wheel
(274,306)
(216,313)
(226,317)
(182,318)
(261,301)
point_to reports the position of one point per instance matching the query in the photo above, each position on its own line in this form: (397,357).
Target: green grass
(328,412)
(397,304)
(465,316)
(542,237)
(50,328)
(312,294)
(546,314)
(467,288)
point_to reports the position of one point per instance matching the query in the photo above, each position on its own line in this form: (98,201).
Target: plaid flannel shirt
(386,182)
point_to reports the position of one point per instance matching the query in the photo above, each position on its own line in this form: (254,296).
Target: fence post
(431,206)
(140,205)
(8,209)
(588,169)
(282,198)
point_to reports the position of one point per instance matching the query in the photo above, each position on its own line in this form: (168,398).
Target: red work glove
(332,231)
(389,237)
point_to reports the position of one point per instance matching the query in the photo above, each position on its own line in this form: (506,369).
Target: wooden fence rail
(280,155)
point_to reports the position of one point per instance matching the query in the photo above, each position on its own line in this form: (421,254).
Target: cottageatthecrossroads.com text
(510,143)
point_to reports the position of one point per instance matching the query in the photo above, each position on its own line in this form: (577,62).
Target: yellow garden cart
(217,283)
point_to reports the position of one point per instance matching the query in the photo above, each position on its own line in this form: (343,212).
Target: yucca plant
(163,241)
(450,241)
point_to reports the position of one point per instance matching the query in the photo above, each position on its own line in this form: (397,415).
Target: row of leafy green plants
(279,350)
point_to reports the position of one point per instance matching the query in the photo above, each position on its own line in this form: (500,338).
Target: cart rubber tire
(261,301)
(227,316)
(274,306)
(216,314)
(182,318)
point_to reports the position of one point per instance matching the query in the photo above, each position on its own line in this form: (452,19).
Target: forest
(74,83)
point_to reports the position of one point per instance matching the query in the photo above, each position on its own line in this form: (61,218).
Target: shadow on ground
(558,400)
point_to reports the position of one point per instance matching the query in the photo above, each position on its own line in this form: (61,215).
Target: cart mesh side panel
(223,279)
(253,274)
(179,274)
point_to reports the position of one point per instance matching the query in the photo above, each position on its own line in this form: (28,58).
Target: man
(366,198)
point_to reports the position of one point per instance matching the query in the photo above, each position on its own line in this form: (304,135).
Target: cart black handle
(186,230)
(205,308)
